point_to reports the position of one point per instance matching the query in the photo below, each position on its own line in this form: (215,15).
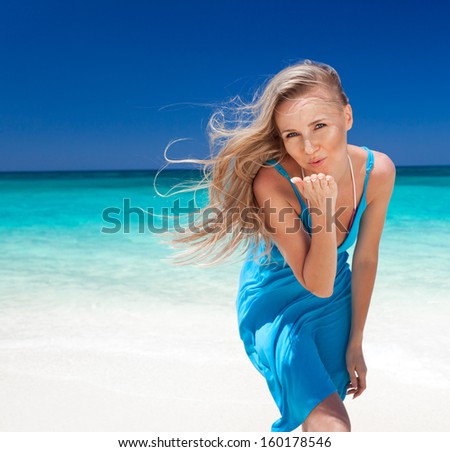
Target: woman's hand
(317,188)
(357,369)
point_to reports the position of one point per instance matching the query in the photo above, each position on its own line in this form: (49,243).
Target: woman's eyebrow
(293,130)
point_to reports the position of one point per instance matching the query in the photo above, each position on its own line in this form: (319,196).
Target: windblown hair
(238,152)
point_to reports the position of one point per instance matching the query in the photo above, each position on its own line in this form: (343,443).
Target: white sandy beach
(183,368)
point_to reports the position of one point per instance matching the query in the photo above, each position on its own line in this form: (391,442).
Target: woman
(308,196)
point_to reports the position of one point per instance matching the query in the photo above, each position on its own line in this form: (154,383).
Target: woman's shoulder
(382,163)
(269,178)
(269,183)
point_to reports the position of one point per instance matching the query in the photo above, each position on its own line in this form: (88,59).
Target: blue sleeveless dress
(295,339)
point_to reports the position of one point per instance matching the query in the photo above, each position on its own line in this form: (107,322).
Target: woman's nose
(309,148)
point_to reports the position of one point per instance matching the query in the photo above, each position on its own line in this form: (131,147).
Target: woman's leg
(329,416)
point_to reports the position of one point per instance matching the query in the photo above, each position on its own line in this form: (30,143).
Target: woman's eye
(289,135)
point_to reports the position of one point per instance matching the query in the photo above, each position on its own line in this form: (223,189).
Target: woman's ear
(348,116)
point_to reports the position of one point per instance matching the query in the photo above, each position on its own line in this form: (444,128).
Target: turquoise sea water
(53,244)
(69,291)
(51,237)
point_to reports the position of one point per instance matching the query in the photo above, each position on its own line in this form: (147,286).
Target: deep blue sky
(107,84)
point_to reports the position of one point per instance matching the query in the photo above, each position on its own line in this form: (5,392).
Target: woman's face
(313,128)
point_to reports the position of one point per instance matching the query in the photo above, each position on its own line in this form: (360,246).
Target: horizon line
(159,169)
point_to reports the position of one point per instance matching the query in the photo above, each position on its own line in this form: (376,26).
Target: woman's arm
(364,264)
(312,260)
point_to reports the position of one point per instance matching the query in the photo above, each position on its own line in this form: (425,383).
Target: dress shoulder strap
(370,159)
(369,166)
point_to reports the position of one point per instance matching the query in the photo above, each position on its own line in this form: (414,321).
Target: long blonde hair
(237,153)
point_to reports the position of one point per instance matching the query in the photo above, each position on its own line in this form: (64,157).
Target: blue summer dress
(295,339)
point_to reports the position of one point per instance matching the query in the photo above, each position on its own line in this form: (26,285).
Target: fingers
(357,370)
(316,187)
(353,379)
(322,180)
(358,383)
(354,383)
(305,186)
(315,180)
(300,184)
(330,180)
(362,385)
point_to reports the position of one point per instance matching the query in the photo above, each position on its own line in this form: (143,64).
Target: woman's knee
(327,424)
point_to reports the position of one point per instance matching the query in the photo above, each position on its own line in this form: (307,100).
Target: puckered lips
(317,161)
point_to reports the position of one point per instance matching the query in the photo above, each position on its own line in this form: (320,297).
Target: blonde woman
(286,185)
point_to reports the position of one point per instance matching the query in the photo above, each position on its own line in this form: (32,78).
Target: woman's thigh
(329,416)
